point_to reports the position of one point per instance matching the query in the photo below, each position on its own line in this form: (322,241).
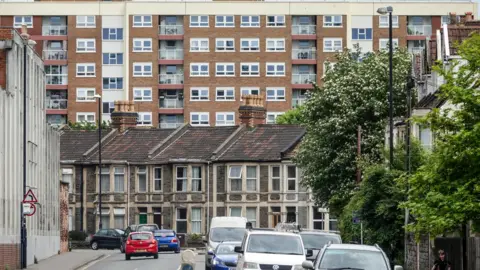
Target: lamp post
(383,11)
(97,96)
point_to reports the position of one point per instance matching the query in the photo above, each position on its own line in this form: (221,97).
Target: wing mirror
(204,239)
(308,265)
(238,249)
(309,253)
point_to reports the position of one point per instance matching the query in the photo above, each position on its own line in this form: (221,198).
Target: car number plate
(140,250)
(232,268)
(163,245)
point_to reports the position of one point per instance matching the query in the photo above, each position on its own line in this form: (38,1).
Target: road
(165,261)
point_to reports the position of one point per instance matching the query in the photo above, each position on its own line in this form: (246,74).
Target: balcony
(170,125)
(168,105)
(55,57)
(170,32)
(304,56)
(304,32)
(56,106)
(170,56)
(56,81)
(54,30)
(303,81)
(419,30)
(170,81)
(171,121)
(299,97)
(298,102)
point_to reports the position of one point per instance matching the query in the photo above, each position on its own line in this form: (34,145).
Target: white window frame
(249,89)
(276,47)
(29,24)
(250,48)
(247,179)
(86,49)
(253,221)
(116,172)
(250,73)
(277,96)
(200,115)
(385,41)
(276,72)
(183,221)
(332,22)
(277,22)
(118,214)
(236,208)
(225,24)
(112,81)
(224,122)
(86,97)
(333,47)
(86,114)
(143,72)
(203,94)
(249,24)
(225,91)
(82,21)
(87,73)
(383,21)
(142,22)
(289,179)
(225,48)
(225,73)
(193,221)
(184,179)
(142,96)
(141,47)
(275,178)
(235,177)
(199,24)
(156,179)
(137,175)
(199,46)
(199,73)
(112,34)
(275,115)
(142,122)
(110,58)
(322,220)
(196,179)
(69,173)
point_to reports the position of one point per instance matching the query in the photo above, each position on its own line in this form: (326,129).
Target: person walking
(442,263)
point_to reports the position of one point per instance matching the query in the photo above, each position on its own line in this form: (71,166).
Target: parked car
(106,238)
(224,256)
(167,240)
(141,244)
(316,240)
(136,228)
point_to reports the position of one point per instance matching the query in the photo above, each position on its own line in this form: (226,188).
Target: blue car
(225,257)
(167,240)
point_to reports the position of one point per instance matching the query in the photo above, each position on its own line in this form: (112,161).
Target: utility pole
(409,86)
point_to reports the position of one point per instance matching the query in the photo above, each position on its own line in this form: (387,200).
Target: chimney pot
(252,112)
(468,16)
(122,117)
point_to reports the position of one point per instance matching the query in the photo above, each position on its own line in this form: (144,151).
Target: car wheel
(177,251)
(155,256)
(94,245)
(127,257)
(122,248)
(207,268)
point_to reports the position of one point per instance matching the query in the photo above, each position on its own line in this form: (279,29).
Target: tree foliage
(445,192)
(87,125)
(354,92)
(293,116)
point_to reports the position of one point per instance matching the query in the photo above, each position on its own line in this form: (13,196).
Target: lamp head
(384,10)
(97,96)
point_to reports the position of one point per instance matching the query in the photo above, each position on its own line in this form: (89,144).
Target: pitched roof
(265,142)
(74,143)
(430,101)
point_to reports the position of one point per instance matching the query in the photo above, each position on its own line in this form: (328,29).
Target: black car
(316,240)
(136,228)
(107,238)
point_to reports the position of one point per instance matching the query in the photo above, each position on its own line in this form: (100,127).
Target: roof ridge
(95,146)
(231,145)
(170,144)
(150,153)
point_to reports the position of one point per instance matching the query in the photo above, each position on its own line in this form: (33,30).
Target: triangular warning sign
(30,197)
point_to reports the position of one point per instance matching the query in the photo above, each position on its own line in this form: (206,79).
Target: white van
(231,229)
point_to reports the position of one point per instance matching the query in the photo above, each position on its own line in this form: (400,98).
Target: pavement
(72,260)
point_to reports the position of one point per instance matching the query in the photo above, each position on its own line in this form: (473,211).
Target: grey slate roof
(430,101)
(74,143)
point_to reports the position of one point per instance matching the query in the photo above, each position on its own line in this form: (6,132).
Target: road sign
(29,209)
(356,218)
(30,197)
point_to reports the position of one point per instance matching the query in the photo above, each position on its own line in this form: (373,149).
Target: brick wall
(419,255)
(63,218)
(10,256)
(5,34)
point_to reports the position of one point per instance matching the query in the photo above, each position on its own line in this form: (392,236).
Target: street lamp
(97,96)
(383,11)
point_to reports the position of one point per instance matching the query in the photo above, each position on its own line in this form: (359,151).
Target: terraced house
(182,178)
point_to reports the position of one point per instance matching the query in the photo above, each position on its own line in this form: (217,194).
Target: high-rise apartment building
(192,61)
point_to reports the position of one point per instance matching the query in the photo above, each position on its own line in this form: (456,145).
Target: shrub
(77,235)
(195,237)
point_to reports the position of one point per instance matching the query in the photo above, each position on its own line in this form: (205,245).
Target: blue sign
(356,218)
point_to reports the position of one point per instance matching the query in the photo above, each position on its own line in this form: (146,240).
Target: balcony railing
(170,78)
(170,29)
(58,79)
(304,29)
(170,125)
(56,104)
(170,54)
(170,103)
(54,30)
(310,53)
(304,78)
(298,102)
(54,55)
(419,30)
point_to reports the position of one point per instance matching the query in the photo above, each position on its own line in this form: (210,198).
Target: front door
(142,218)
(157,219)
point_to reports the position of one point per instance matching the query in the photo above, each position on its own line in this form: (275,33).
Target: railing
(304,78)
(310,53)
(56,104)
(54,30)
(170,54)
(303,29)
(170,103)
(170,78)
(170,29)
(59,79)
(170,125)
(419,30)
(298,102)
(54,55)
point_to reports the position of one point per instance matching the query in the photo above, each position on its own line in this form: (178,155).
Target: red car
(141,244)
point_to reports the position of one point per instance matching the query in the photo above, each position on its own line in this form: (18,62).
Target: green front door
(142,218)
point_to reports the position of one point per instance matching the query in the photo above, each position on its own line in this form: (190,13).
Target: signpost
(29,201)
(357,220)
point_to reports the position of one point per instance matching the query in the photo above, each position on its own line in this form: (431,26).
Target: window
(199,21)
(105,219)
(275,44)
(235,177)
(224,44)
(144,119)
(225,94)
(425,136)
(85,45)
(225,119)
(332,223)
(18,21)
(157,179)
(86,117)
(225,69)
(251,178)
(113,58)
(199,45)
(236,212)
(318,218)
(244,91)
(181,220)
(252,216)
(196,178)
(199,69)
(276,21)
(332,21)
(361,33)
(108,107)
(142,178)
(250,69)
(85,21)
(142,94)
(275,178)
(332,44)
(105,180)
(249,45)
(199,119)
(119,217)
(250,21)
(70,219)
(85,94)
(384,42)
(383,21)
(142,44)
(112,33)
(291,214)
(67,176)
(113,83)
(119,180)
(272,117)
(86,70)
(142,21)
(275,69)
(275,94)
(142,69)
(224,21)
(196,220)
(181,179)
(199,93)
(291,178)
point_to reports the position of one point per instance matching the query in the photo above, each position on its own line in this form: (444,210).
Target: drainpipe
(128,193)
(81,198)
(208,195)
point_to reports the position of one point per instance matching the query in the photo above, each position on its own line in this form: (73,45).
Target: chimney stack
(124,115)
(453,18)
(468,17)
(252,112)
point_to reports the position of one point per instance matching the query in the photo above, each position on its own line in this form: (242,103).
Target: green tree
(354,92)
(87,125)
(445,192)
(293,116)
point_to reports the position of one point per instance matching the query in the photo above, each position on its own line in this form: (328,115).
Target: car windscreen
(227,234)
(226,249)
(140,236)
(164,234)
(119,231)
(317,241)
(147,228)
(275,244)
(356,259)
